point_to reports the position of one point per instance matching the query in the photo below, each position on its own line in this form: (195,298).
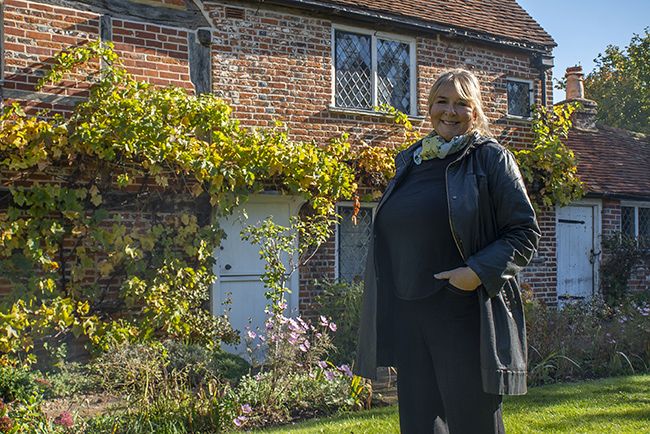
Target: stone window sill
(363,112)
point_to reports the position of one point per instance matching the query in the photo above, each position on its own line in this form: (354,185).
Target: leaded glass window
(519,98)
(393,74)
(353,70)
(627,221)
(644,223)
(635,222)
(373,70)
(353,243)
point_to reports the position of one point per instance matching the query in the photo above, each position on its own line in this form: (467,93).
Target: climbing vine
(549,167)
(107,228)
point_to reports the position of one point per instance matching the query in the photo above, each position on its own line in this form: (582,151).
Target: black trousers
(438,366)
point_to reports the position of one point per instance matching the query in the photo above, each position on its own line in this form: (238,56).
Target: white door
(238,291)
(575,253)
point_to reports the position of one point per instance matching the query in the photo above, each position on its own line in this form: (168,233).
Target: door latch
(593,255)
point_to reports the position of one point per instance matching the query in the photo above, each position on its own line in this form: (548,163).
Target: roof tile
(501,18)
(612,161)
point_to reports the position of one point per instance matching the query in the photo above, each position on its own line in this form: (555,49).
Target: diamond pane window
(393,74)
(627,221)
(635,222)
(373,69)
(353,70)
(519,98)
(644,223)
(353,243)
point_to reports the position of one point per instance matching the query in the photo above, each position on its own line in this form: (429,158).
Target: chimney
(575,88)
(585,117)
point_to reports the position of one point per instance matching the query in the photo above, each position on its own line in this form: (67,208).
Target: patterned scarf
(434,146)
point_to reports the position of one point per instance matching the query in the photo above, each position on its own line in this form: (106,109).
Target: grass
(618,405)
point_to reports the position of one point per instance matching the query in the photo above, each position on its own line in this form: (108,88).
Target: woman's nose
(451,108)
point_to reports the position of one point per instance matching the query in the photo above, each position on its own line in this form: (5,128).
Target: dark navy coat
(496,232)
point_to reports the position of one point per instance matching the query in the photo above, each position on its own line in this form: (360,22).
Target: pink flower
(251,334)
(302,323)
(239,420)
(346,370)
(323,321)
(246,408)
(293,325)
(322,364)
(64,419)
(329,375)
(304,347)
(332,326)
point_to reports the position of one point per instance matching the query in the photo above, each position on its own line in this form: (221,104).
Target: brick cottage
(318,66)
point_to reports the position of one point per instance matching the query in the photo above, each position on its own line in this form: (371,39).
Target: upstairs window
(371,69)
(635,221)
(520,97)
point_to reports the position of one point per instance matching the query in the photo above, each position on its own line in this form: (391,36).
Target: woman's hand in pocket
(462,278)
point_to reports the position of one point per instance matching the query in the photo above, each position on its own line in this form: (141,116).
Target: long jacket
(496,232)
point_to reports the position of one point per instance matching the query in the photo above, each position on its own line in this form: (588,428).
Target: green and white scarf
(434,146)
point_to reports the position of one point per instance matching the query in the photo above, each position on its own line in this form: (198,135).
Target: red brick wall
(153,53)
(34,33)
(541,273)
(276,64)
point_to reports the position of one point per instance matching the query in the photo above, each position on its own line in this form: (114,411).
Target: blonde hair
(468,88)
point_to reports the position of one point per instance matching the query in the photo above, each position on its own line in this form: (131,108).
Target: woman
(441,302)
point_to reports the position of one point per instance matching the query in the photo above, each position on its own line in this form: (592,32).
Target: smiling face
(451,115)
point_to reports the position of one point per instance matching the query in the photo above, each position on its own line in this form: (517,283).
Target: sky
(584,28)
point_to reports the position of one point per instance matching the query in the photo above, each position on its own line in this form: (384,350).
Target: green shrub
(71,379)
(341,302)
(623,254)
(587,340)
(200,364)
(19,384)
(229,366)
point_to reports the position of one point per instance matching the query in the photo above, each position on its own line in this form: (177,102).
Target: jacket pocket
(458,291)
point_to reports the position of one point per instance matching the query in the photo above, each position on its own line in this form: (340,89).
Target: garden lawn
(613,405)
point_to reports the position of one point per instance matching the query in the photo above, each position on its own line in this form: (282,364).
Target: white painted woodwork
(575,253)
(238,291)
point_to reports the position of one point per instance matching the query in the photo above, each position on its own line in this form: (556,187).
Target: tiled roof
(612,161)
(501,18)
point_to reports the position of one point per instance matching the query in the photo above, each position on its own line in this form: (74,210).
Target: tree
(620,85)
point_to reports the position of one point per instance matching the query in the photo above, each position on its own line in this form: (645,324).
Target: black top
(414,226)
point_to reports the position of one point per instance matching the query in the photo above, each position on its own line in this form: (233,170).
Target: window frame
(373,65)
(635,205)
(337,246)
(531,97)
